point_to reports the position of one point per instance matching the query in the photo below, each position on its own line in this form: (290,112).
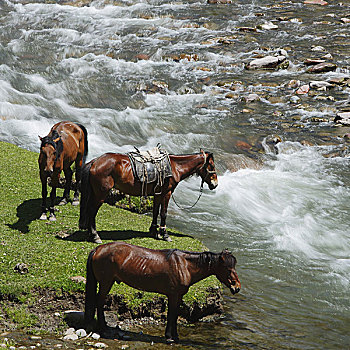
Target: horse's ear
(225,252)
(40,138)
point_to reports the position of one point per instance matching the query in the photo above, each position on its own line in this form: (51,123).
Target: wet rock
(231,95)
(318,48)
(313,61)
(267,26)
(243,145)
(247,29)
(327,56)
(21,268)
(100,345)
(345,20)
(295,99)
(320,85)
(282,52)
(304,89)
(293,84)
(239,161)
(322,67)
(267,62)
(251,98)
(316,2)
(95,336)
(142,57)
(296,20)
(337,81)
(342,118)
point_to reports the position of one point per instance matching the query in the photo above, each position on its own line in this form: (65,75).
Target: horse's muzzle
(48,173)
(213,184)
(235,288)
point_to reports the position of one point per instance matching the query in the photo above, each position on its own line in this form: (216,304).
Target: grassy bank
(54,252)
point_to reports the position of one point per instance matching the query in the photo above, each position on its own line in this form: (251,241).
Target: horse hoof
(172,341)
(63,201)
(43,216)
(95,239)
(167,238)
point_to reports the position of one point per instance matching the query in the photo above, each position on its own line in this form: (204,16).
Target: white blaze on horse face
(214,182)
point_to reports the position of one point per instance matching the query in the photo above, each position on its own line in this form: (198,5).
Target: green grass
(43,246)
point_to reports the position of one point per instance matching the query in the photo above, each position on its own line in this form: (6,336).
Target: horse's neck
(203,265)
(187,165)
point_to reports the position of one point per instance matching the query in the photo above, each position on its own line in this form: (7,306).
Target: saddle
(151,166)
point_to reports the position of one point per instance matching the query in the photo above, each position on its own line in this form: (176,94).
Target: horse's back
(141,268)
(73,138)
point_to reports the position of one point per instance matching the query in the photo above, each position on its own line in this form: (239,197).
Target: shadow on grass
(116,235)
(27,212)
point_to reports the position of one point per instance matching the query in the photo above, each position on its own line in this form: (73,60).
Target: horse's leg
(78,165)
(171,334)
(52,216)
(153,230)
(68,173)
(43,195)
(92,232)
(104,288)
(163,213)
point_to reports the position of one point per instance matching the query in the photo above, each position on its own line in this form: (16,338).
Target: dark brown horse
(110,170)
(65,144)
(170,272)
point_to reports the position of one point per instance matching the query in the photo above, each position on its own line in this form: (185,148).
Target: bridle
(208,172)
(205,166)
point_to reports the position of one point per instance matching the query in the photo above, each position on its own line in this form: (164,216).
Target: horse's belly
(148,283)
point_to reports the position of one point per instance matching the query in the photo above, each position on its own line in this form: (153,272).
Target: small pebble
(71,337)
(81,333)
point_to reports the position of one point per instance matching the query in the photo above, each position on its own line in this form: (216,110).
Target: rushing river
(139,73)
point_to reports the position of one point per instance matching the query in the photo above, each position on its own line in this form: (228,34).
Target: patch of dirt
(49,306)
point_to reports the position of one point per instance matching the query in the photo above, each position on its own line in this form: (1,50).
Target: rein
(200,189)
(190,207)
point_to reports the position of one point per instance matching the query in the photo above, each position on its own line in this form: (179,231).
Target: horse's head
(48,154)
(207,172)
(226,272)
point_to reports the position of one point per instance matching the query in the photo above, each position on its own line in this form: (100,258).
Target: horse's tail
(86,191)
(86,144)
(90,292)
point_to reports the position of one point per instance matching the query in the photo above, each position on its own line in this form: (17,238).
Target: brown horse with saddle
(169,271)
(110,170)
(65,144)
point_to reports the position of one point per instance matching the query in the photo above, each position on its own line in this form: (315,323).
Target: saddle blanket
(150,166)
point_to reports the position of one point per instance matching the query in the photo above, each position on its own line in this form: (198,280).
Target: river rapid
(173,72)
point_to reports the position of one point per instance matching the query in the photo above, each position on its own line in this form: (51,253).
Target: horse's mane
(49,140)
(199,258)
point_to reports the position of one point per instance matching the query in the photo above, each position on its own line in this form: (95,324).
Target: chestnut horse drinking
(170,272)
(110,170)
(66,143)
